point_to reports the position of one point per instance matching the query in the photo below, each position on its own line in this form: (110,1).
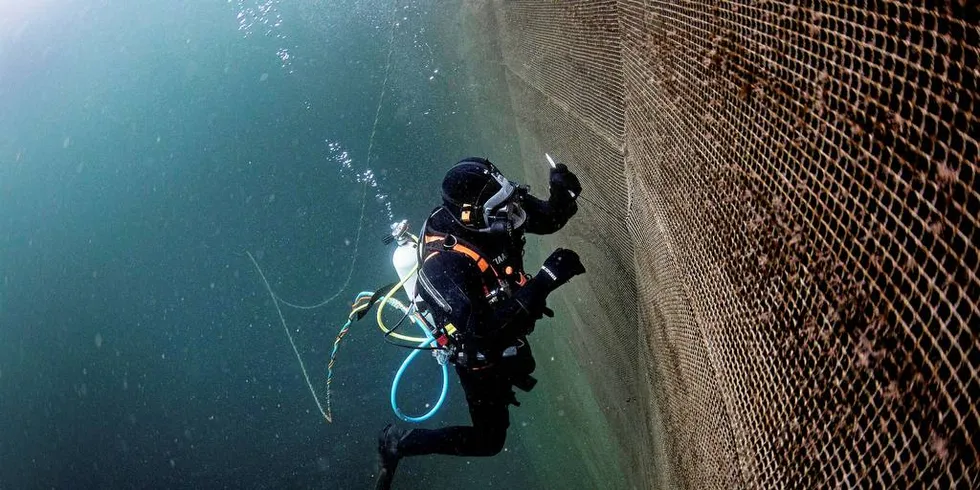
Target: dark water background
(144,147)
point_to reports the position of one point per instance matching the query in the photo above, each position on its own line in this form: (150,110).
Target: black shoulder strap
(380,293)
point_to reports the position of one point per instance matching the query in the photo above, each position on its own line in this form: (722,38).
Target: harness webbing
(481,262)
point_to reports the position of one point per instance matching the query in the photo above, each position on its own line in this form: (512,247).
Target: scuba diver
(481,303)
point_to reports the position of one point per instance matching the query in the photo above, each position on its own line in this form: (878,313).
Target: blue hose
(429,342)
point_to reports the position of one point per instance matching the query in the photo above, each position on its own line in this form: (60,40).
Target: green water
(144,147)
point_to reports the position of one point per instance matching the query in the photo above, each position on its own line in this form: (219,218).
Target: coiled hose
(363,302)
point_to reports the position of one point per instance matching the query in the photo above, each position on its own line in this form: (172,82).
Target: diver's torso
(510,358)
(505,252)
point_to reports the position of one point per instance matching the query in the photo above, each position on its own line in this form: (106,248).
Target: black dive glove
(564,183)
(562,265)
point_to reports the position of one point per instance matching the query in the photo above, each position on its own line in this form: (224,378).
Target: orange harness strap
(482,263)
(467,251)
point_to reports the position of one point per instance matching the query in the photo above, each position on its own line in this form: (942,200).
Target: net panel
(604,317)
(792,234)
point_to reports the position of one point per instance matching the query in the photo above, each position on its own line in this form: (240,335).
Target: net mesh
(784,222)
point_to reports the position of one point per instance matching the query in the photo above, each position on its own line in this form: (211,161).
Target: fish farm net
(781,232)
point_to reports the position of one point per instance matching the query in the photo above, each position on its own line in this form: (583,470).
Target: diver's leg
(388,456)
(488,396)
(485,438)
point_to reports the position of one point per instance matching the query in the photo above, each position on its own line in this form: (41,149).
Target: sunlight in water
(16,14)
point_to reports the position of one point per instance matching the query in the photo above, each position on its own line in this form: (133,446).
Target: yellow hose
(384,302)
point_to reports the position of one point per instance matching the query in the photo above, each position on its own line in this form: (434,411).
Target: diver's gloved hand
(564,183)
(562,265)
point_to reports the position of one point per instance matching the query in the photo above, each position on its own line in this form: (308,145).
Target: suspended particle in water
(264,77)
(98,340)
(67,142)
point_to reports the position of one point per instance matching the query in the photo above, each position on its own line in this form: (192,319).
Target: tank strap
(431,241)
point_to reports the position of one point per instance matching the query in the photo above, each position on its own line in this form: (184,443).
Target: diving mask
(503,211)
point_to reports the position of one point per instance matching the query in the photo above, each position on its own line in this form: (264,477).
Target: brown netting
(792,249)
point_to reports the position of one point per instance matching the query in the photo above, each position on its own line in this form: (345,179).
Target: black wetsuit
(489,329)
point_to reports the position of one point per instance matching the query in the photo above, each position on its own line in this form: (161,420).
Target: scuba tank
(405,258)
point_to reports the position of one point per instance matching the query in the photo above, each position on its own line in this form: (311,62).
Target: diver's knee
(493,441)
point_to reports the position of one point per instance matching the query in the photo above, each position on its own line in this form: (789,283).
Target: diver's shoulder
(448,259)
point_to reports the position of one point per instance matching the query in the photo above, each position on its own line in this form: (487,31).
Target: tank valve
(399,233)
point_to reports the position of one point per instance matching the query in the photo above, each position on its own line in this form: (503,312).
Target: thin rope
(364,186)
(289,335)
(276,300)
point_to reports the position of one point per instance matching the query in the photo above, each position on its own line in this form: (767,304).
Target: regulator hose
(363,302)
(429,342)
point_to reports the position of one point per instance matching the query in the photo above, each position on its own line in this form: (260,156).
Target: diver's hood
(482,198)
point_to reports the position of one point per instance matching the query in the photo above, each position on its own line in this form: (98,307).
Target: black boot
(388,455)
